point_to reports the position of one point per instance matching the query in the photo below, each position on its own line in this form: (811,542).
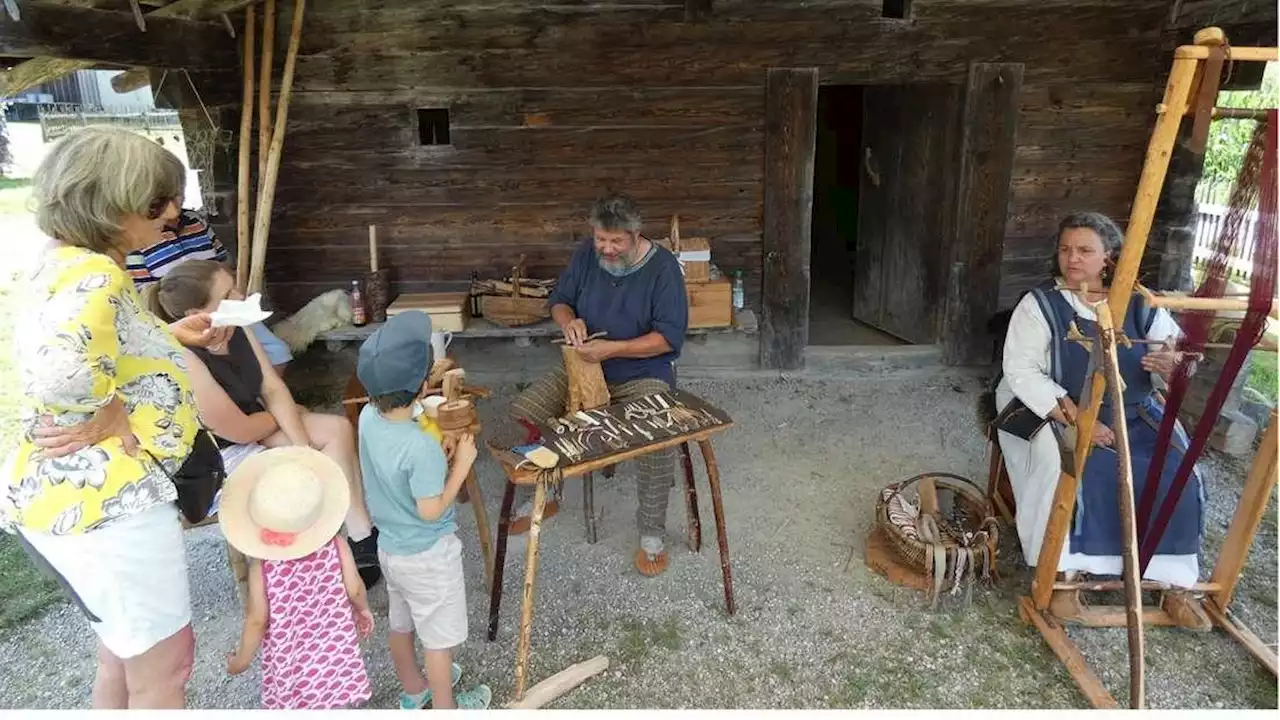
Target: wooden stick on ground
(1128,520)
(244,190)
(530,578)
(267,184)
(1250,509)
(560,683)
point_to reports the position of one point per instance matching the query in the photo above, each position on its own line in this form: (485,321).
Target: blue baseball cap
(397,356)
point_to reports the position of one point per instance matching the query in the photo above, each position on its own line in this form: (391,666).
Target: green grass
(24,592)
(1262,374)
(15,196)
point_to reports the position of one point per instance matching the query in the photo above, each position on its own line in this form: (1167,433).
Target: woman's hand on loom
(1065,411)
(112,420)
(193,330)
(1103,436)
(1162,361)
(575,332)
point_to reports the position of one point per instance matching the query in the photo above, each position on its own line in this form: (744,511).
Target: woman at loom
(1045,372)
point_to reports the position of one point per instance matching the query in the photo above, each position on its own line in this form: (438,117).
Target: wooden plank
(791,107)
(989,127)
(62,32)
(473,107)
(1250,510)
(1243,635)
(1053,633)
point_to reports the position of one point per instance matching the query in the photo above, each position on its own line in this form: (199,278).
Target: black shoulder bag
(199,478)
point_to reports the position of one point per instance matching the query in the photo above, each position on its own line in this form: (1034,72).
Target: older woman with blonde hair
(107,414)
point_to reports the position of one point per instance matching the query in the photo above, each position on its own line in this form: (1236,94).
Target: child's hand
(449,443)
(364,621)
(236,664)
(465,452)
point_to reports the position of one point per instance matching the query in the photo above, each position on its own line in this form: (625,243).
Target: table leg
(589,506)
(500,558)
(530,576)
(482,526)
(713,478)
(694,527)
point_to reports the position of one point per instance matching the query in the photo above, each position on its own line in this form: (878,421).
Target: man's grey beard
(622,264)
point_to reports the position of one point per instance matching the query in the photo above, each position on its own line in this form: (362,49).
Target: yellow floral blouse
(84,339)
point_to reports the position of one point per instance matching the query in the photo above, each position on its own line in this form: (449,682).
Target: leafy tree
(1228,139)
(5,158)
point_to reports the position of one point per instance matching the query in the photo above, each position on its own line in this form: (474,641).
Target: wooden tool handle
(592,336)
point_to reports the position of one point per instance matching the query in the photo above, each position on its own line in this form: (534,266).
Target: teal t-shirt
(400,464)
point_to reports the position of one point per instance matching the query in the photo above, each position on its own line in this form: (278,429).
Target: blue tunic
(1096,526)
(650,299)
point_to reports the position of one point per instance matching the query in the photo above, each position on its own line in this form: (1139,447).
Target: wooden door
(906,201)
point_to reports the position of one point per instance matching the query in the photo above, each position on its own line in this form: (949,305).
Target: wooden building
(909,157)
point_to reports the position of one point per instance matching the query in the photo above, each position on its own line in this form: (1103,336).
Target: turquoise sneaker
(407,702)
(477,698)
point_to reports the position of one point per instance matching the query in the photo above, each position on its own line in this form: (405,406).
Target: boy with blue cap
(409,488)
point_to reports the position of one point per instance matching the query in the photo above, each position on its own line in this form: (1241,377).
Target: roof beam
(39,70)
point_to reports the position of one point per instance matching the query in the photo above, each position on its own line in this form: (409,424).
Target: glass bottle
(358,317)
(739,291)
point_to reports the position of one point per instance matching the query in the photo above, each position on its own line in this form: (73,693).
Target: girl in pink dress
(306,605)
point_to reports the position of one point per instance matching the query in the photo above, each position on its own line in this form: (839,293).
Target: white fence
(1209,221)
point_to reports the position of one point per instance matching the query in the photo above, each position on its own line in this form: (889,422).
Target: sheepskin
(325,312)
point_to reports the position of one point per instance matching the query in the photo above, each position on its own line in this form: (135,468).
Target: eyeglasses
(158,206)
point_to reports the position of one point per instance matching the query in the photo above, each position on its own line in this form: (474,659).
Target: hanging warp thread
(1256,185)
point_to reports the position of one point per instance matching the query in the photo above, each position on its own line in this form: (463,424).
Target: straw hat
(283,503)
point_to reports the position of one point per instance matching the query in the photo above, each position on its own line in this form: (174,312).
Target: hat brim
(246,536)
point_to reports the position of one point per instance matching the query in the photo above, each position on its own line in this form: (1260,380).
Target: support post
(244,189)
(790,134)
(1250,510)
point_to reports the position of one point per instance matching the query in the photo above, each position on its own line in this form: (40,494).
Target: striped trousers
(546,399)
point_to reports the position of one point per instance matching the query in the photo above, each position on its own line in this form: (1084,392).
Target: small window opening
(433,126)
(896,9)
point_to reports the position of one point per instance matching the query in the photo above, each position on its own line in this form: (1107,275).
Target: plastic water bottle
(739,292)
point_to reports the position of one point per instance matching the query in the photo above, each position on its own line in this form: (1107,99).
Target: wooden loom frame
(1180,92)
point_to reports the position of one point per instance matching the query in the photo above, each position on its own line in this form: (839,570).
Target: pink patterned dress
(311,653)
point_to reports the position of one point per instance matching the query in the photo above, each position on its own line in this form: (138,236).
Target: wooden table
(527,475)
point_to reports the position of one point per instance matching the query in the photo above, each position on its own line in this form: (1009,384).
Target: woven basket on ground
(956,544)
(515,309)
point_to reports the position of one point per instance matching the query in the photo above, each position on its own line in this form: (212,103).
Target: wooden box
(695,259)
(449,311)
(710,303)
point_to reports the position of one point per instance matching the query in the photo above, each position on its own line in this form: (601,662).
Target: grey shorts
(426,594)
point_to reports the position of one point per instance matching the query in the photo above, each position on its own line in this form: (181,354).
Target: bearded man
(620,283)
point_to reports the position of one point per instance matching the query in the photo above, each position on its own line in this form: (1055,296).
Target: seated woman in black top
(242,399)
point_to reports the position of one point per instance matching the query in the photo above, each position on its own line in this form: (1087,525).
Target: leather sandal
(651,567)
(1185,611)
(1067,606)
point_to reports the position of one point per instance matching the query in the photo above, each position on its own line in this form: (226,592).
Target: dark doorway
(885,171)
(833,240)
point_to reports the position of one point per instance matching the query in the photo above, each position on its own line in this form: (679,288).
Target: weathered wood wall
(552,103)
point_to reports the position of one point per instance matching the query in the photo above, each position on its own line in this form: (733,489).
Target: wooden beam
(40,70)
(1250,509)
(989,136)
(1243,635)
(1069,654)
(697,10)
(130,80)
(791,110)
(113,37)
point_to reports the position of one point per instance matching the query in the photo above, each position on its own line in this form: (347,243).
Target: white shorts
(426,593)
(131,575)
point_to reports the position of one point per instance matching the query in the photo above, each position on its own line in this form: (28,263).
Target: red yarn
(1255,184)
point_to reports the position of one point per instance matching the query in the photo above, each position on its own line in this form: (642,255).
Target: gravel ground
(814,627)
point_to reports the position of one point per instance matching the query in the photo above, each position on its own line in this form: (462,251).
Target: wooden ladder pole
(1250,510)
(264,85)
(267,184)
(1128,514)
(1159,150)
(244,189)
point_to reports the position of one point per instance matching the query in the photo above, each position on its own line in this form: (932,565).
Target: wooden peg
(453,380)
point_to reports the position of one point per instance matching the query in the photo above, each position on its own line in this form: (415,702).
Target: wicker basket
(969,526)
(515,309)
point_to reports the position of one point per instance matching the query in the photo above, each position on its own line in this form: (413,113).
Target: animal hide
(325,312)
